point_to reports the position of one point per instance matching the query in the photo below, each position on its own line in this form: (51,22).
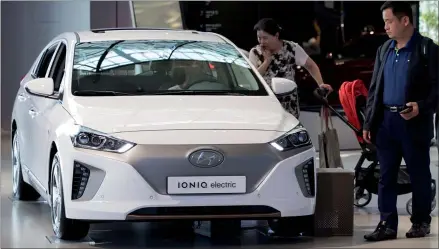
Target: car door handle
(33,112)
(21,97)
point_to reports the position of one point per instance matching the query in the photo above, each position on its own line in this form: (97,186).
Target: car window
(44,63)
(57,69)
(148,67)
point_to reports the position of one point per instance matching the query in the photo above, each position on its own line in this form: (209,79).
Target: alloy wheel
(15,165)
(56,199)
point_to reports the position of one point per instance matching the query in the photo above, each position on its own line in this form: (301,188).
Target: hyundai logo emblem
(206,158)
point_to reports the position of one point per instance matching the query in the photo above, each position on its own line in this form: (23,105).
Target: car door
(45,121)
(24,106)
(36,133)
(21,108)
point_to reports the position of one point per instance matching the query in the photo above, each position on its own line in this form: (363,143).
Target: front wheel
(64,228)
(409,206)
(362,197)
(20,189)
(292,226)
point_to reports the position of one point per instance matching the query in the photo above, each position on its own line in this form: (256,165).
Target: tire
(408,206)
(293,226)
(64,228)
(437,130)
(20,189)
(367,196)
(433,204)
(225,229)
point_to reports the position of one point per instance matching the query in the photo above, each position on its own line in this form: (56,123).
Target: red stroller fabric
(348,93)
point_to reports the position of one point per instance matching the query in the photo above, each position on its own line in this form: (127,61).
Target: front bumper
(116,191)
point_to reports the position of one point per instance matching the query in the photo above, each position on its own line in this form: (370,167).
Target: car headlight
(86,138)
(296,138)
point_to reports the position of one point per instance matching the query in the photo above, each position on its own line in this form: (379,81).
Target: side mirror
(41,87)
(283,86)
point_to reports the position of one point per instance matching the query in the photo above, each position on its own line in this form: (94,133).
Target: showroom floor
(28,225)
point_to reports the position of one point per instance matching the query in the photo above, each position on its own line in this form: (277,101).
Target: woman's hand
(267,54)
(327,87)
(267,60)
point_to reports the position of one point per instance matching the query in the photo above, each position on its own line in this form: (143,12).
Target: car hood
(158,113)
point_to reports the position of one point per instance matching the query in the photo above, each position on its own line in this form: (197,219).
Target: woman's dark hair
(268,25)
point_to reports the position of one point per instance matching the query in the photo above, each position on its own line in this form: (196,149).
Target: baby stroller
(353,96)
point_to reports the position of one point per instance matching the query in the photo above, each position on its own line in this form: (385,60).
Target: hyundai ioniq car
(128,125)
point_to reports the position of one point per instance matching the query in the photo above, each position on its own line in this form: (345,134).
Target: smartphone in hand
(408,109)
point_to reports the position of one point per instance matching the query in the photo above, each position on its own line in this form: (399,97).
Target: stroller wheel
(409,205)
(362,197)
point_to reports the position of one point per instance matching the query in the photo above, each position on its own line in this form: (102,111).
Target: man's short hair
(399,9)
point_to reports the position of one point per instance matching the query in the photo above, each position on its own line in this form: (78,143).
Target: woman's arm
(302,59)
(264,67)
(314,70)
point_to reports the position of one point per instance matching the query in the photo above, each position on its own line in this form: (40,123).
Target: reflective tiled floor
(28,225)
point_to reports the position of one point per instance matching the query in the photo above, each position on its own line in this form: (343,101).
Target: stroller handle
(321,94)
(322,91)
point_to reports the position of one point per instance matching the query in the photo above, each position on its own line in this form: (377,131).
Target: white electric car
(117,125)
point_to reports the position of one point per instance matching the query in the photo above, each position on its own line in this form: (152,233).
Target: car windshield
(162,67)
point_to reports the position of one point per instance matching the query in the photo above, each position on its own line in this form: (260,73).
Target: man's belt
(395,108)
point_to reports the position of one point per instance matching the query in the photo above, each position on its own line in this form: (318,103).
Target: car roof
(145,34)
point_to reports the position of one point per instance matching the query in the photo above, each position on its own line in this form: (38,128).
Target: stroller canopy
(348,93)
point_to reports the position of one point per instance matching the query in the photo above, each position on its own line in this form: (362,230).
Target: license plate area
(206,185)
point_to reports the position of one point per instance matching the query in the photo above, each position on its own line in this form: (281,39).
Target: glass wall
(429,19)
(157,14)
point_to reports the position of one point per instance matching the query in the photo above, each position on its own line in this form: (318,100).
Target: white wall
(26,27)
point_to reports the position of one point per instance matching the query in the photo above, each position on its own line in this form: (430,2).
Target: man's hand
(413,113)
(327,87)
(366,136)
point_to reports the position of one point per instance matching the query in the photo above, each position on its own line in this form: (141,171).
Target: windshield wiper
(198,92)
(101,59)
(178,46)
(99,93)
(104,54)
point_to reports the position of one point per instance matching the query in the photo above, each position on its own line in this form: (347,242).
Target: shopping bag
(329,147)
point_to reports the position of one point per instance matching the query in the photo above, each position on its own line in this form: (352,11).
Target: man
(399,120)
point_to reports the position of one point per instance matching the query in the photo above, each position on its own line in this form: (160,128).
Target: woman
(275,57)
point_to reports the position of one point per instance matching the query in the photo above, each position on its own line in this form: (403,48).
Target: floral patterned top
(283,65)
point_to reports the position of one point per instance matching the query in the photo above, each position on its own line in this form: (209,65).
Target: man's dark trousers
(394,141)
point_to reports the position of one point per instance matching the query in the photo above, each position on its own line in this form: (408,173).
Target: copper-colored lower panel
(202,217)
(334,213)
